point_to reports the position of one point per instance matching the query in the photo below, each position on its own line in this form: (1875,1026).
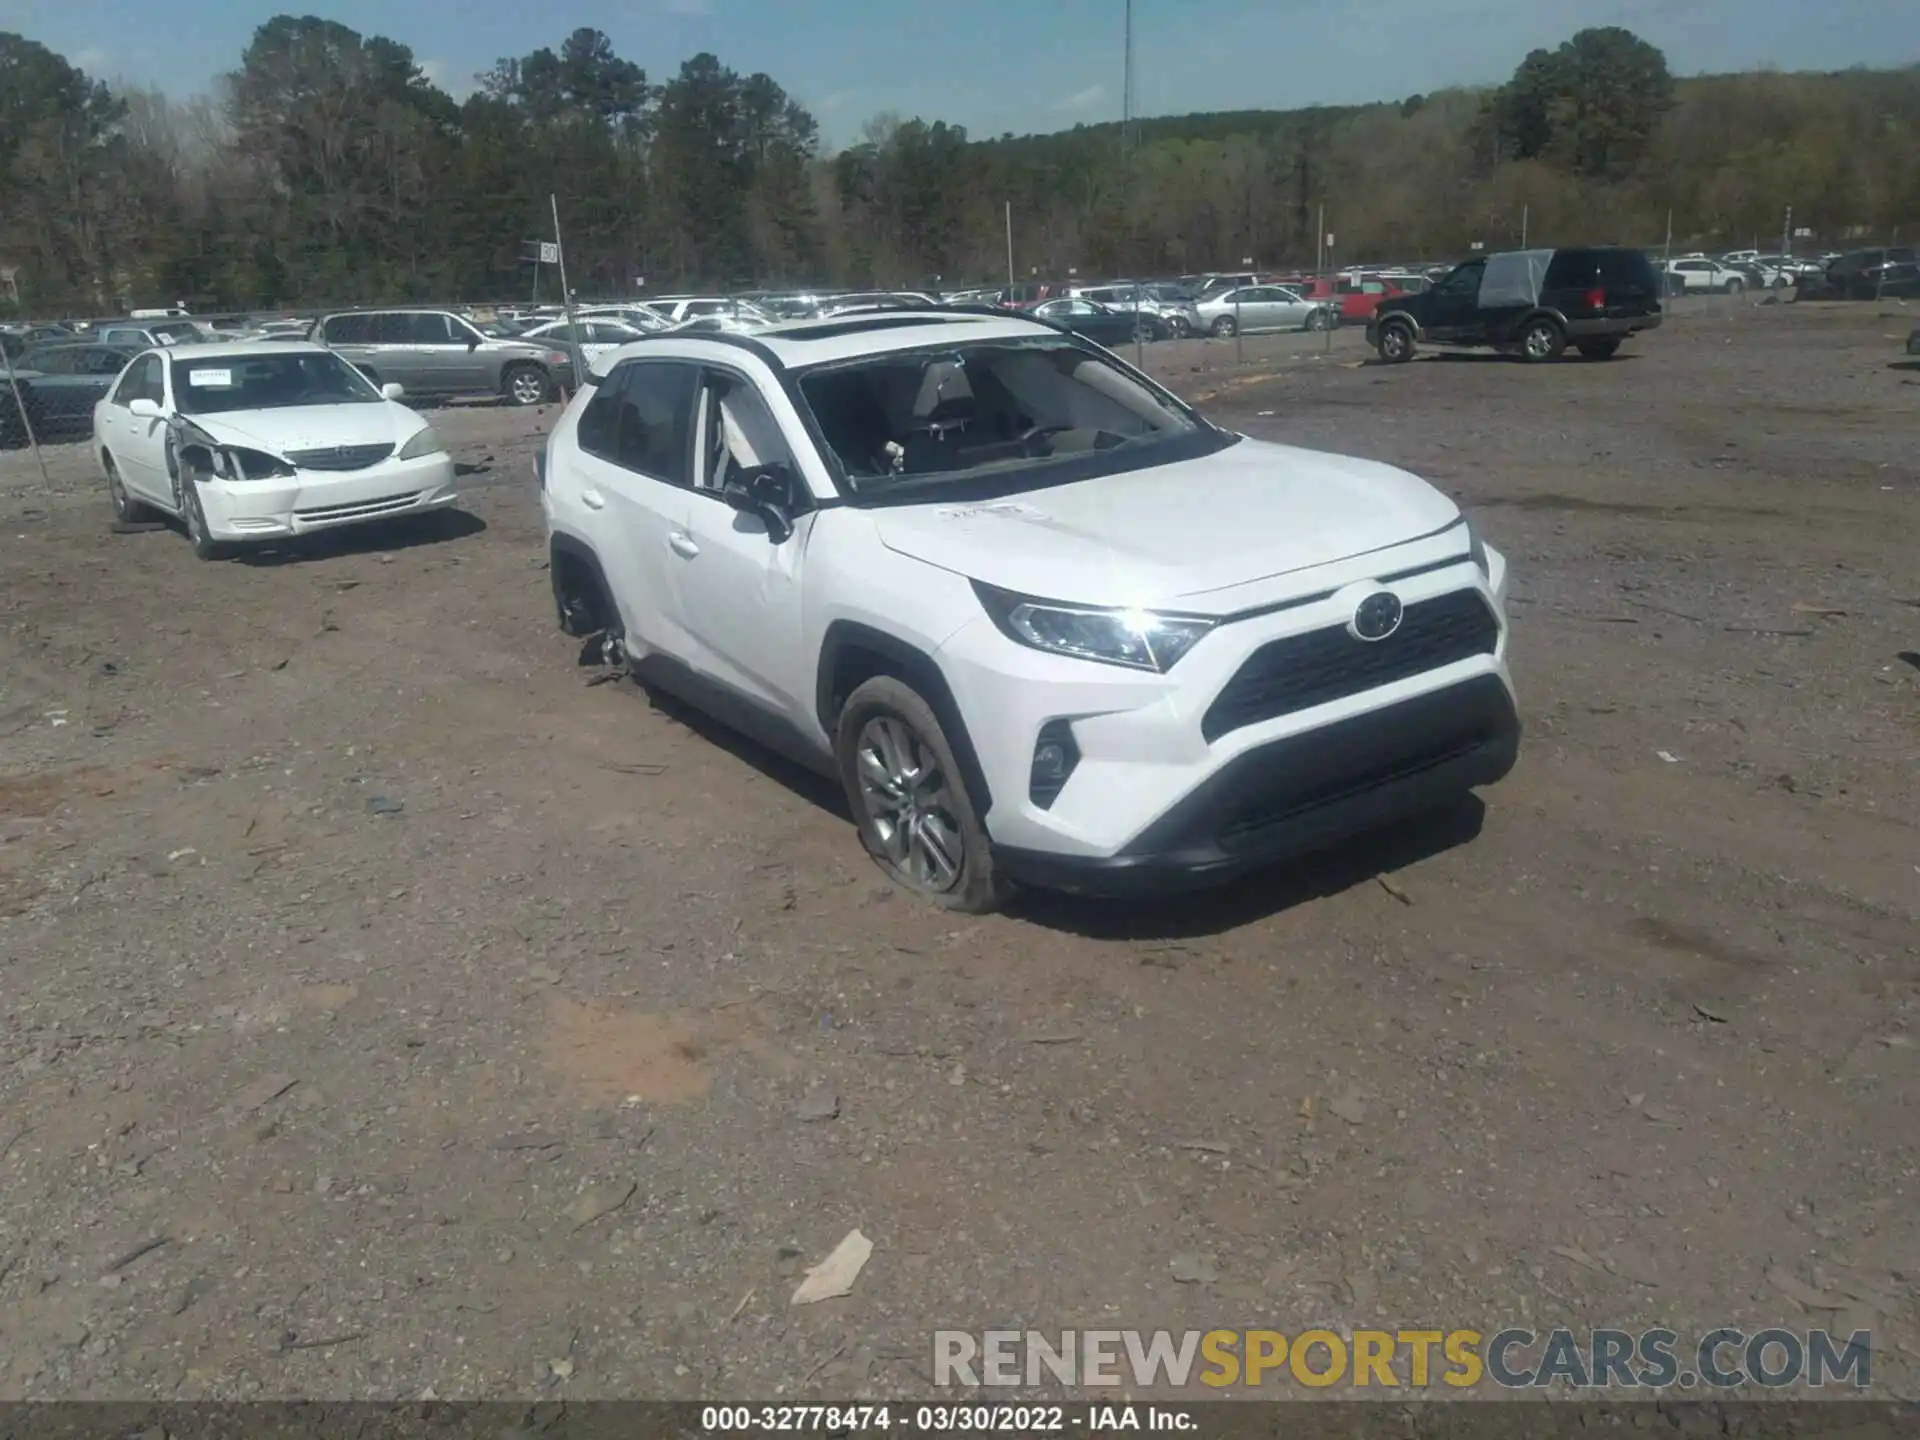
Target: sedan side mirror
(145,409)
(392,390)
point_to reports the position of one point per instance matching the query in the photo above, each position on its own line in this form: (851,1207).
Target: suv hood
(310,427)
(1175,532)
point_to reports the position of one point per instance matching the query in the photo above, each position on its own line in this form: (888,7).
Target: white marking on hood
(1003,507)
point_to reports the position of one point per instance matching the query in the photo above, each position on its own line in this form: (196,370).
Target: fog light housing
(1054,757)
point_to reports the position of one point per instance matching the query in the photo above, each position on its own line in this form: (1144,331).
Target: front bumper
(324,500)
(1301,794)
(1157,760)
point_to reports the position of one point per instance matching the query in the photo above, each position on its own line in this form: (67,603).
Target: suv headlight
(425,441)
(1137,639)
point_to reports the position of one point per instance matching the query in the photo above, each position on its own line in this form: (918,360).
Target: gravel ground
(389,1011)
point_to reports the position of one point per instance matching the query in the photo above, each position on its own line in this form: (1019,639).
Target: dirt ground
(459,1027)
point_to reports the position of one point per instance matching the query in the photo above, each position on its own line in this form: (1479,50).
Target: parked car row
(784,528)
(1874,273)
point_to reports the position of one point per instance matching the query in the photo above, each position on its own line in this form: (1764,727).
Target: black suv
(1530,303)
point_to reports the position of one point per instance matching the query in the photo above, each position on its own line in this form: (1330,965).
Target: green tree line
(329,169)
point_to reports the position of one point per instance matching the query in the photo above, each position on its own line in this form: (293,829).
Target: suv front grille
(1302,671)
(339,457)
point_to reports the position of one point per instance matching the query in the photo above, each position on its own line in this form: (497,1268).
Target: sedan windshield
(903,419)
(267,382)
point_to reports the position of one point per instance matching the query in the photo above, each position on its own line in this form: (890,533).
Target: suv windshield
(267,382)
(910,418)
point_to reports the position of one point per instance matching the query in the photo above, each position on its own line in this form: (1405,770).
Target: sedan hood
(311,427)
(1175,532)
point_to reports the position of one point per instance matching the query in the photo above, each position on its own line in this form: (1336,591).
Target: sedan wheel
(126,509)
(195,517)
(1224,327)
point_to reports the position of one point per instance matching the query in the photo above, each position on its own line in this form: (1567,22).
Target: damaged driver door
(747,530)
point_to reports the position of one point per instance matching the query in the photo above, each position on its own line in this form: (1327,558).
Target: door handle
(593,500)
(682,544)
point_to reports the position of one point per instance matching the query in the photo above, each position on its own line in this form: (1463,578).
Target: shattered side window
(1514,278)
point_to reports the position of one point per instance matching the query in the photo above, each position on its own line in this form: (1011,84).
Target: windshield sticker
(212,379)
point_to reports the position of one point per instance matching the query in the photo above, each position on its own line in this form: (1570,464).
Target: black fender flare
(1383,315)
(1538,312)
(918,669)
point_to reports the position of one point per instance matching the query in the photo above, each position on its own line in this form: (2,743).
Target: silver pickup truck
(438,353)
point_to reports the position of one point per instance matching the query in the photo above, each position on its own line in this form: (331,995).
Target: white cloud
(93,60)
(838,100)
(1081,99)
(457,83)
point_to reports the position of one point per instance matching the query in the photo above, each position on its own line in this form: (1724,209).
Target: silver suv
(435,352)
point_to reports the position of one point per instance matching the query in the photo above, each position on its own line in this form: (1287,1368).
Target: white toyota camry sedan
(256,441)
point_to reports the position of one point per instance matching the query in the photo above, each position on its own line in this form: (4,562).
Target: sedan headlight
(238,463)
(1137,639)
(426,441)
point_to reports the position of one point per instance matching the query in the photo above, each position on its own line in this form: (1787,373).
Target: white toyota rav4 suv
(1043,622)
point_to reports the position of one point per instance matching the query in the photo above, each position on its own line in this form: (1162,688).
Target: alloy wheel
(904,794)
(529,387)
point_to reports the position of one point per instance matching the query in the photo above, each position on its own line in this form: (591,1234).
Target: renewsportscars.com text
(1462,1359)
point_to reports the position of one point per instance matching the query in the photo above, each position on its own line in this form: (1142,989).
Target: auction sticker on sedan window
(213,379)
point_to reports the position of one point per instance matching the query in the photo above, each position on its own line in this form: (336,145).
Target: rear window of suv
(1622,270)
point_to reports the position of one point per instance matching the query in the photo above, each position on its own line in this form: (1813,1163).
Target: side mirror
(145,409)
(766,493)
(392,390)
(473,342)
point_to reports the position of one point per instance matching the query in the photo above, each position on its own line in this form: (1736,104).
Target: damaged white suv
(1043,622)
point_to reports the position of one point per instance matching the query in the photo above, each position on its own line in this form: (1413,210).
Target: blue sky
(1020,65)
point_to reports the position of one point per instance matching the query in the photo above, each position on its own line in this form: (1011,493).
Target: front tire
(1316,320)
(910,802)
(126,509)
(1395,342)
(527,385)
(194,516)
(1224,328)
(1734,287)
(1542,340)
(1599,349)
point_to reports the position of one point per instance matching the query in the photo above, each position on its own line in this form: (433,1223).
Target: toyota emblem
(1376,617)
